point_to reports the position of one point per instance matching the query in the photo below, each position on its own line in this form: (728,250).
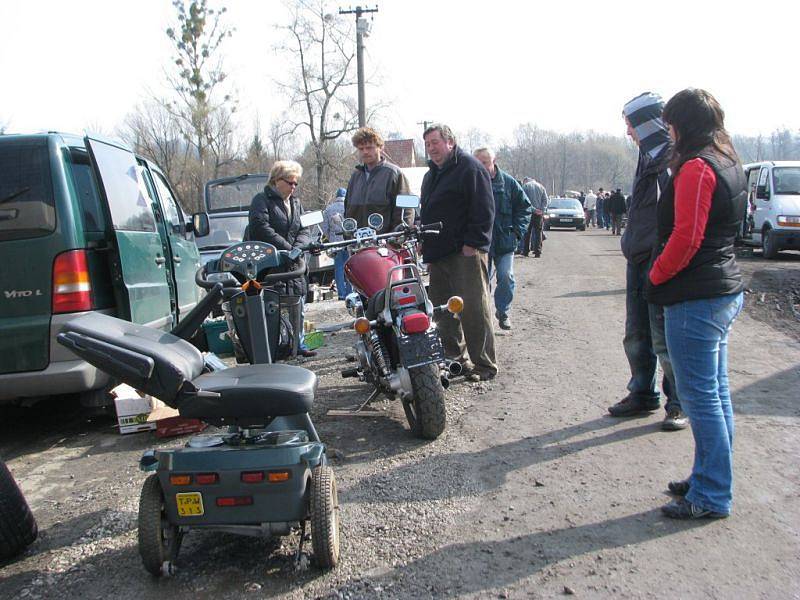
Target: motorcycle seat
(375,305)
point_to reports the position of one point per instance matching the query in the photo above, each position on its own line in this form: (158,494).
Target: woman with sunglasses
(696,278)
(275,219)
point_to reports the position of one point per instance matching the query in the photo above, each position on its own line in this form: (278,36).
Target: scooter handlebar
(200,280)
(200,277)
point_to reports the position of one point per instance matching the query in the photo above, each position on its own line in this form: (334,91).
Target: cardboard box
(133,409)
(168,423)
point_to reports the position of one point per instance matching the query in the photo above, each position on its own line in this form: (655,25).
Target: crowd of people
(683,287)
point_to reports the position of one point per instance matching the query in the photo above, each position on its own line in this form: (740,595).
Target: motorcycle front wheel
(426,412)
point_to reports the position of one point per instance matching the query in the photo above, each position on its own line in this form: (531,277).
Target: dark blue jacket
(512,213)
(270,223)
(459,194)
(639,236)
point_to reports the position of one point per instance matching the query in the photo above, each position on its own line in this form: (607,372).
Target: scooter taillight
(235,501)
(415,323)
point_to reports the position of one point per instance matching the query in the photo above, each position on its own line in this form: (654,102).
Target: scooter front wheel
(159,541)
(426,411)
(324,517)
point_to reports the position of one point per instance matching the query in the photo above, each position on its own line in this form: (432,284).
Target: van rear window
(26,191)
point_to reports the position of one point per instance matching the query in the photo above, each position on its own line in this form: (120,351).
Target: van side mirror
(761,192)
(200,224)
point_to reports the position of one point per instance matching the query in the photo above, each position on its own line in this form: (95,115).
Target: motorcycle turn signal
(361,325)
(455,304)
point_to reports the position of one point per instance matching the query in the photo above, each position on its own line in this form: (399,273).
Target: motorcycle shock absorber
(379,353)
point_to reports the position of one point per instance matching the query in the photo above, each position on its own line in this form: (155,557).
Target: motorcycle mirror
(375,220)
(349,225)
(407,201)
(311,218)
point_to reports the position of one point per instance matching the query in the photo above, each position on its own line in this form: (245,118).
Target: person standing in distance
(512,213)
(457,192)
(332,228)
(534,236)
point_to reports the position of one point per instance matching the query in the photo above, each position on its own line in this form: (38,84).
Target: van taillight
(72,291)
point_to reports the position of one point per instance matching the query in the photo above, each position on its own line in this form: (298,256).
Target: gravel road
(532,492)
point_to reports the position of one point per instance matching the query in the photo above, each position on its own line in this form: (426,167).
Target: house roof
(400,152)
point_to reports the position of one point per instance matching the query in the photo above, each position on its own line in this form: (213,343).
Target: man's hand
(468,250)
(537,211)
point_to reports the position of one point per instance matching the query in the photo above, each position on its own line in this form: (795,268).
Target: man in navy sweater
(458,192)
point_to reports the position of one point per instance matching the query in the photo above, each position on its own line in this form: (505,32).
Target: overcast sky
(564,65)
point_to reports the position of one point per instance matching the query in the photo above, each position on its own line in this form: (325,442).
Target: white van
(773,206)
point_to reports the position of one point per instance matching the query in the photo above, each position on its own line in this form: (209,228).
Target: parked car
(85,225)
(772,218)
(565,212)
(227,202)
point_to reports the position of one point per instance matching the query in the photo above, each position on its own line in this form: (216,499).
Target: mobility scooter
(268,474)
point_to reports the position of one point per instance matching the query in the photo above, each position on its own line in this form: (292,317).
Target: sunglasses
(293,184)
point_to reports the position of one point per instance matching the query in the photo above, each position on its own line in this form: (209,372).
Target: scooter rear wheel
(159,541)
(426,411)
(17,526)
(324,517)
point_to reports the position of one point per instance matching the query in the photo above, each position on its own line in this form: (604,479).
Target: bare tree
(321,48)
(204,118)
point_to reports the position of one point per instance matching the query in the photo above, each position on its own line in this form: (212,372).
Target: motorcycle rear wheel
(426,411)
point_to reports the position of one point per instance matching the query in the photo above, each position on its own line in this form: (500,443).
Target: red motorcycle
(399,350)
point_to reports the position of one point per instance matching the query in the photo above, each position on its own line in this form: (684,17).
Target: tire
(159,542)
(582,228)
(18,528)
(324,517)
(769,245)
(426,412)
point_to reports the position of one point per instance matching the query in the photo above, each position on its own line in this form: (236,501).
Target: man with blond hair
(375,184)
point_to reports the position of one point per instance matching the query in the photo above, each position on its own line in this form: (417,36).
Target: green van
(85,225)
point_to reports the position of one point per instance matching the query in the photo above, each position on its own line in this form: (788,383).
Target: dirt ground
(532,491)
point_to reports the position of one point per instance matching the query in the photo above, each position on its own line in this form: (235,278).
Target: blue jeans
(503,266)
(697,338)
(644,343)
(342,285)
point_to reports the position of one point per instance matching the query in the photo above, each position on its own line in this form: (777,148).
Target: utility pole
(424,127)
(362,29)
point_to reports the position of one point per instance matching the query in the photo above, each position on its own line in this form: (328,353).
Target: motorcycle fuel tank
(368,268)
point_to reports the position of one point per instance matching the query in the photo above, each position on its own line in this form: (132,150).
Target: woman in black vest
(696,278)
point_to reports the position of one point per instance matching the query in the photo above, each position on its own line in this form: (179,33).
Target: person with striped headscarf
(644,342)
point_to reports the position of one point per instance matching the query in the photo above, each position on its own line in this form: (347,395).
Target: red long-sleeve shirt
(694,188)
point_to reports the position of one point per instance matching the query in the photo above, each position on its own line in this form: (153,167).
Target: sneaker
(679,488)
(505,322)
(307,353)
(683,509)
(675,420)
(629,406)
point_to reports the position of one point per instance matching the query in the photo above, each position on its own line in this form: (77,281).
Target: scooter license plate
(190,504)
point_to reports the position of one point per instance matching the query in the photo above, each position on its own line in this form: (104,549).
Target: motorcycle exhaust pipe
(455,368)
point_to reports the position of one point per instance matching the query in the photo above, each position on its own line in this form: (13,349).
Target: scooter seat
(252,392)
